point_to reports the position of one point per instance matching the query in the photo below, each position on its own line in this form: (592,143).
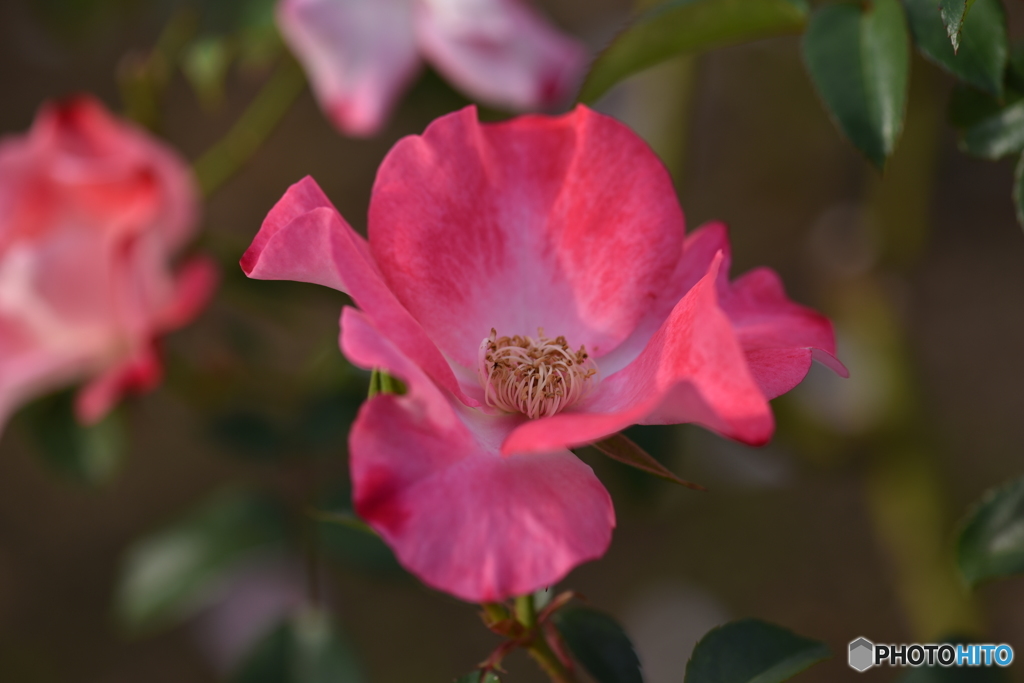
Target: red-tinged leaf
(622,449)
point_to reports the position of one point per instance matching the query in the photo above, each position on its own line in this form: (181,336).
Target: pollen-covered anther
(536,377)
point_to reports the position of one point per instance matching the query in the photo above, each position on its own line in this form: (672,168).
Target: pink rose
(531,283)
(91,211)
(361,54)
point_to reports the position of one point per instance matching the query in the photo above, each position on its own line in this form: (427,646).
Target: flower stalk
(256,123)
(537,645)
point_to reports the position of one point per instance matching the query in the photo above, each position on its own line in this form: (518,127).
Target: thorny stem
(223,160)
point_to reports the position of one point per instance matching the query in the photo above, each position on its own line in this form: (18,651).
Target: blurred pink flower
(91,211)
(566,232)
(361,54)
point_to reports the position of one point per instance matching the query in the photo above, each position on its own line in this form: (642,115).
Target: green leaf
(167,575)
(677,27)
(304,649)
(991,541)
(620,448)
(383,383)
(953,13)
(859,61)
(752,651)
(981,60)
(997,135)
(599,644)
(88,454)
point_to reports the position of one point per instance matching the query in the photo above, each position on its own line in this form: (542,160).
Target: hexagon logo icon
(862,654)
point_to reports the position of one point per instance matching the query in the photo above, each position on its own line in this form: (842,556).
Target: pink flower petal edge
(304,238)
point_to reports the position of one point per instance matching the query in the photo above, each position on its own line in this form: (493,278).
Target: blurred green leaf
(621,449)
(598,642)
(677,27)
(997,135)
(205,63)
(981,60)
(969,106)
(752,651)
(168,574)
(859,61)
(87,454)
(1015,68)
(991,541)
(953,13)
(480,677)
(304,649)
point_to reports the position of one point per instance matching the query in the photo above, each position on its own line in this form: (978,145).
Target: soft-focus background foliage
(842,527)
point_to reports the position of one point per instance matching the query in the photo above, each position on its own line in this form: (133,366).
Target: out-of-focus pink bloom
(361,54)
(531,283)
(91,212)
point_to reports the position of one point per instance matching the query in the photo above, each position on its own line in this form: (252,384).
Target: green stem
(549,661)
(375,383)
(223,160)
(526,614)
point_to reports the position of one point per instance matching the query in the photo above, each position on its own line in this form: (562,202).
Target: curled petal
(304,238)
(779,336)
(500,51)
(692,370)
(458,515)
(359,55)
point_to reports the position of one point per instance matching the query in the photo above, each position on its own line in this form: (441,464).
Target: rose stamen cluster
(536,377)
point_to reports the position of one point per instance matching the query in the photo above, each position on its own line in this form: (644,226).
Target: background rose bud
(91,212)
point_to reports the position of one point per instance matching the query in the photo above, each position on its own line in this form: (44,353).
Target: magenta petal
(780,337)
(458,515)
(304,238)
(500,51)
(358,55)
(692,370)
(567,223)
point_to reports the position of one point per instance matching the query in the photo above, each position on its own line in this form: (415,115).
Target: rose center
(536,377)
